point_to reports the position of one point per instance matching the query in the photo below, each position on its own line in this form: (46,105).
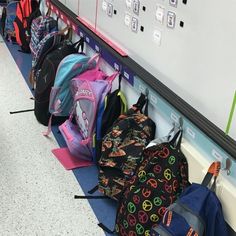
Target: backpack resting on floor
(22,23)
(45,81)
(122,149)
(159,179)
(61,99)
(89,90)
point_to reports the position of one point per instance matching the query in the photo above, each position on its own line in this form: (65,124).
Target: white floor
(36,193)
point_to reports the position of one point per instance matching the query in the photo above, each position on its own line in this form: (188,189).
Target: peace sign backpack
(158,181)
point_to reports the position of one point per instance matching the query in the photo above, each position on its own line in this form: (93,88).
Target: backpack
(61,100)
(122,149)
(8,26)
(158,181)
(41,26)
(35,14)
(89,92)
(197,212)
(45,80)
(3,20)
(113,106)
(49,43)
(23,12)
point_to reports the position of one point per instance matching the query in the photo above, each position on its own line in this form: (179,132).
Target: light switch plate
(110,9)
(160,13)
(134,24)
(129,4)
(136,6)
(104,5)
(171,17)
(127,19)
(157,37)
(173,3)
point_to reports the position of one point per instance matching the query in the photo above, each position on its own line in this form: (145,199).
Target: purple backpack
(88,95)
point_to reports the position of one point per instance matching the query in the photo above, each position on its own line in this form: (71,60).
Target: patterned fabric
(10,17)
(40,28)
(122,149)
(158,181)
(40,47)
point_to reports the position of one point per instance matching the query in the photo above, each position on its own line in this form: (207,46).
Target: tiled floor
(36,193)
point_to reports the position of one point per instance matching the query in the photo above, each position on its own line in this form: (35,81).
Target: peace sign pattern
(157,182)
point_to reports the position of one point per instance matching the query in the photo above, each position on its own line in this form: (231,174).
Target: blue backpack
(61,100)
(10,17)
(197,212)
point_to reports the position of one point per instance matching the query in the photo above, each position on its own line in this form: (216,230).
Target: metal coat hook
(147,92)
(228,164)
(181,122)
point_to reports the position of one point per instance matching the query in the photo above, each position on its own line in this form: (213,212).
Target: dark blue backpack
(197,212)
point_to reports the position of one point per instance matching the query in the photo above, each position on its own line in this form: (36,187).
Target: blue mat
(104,209)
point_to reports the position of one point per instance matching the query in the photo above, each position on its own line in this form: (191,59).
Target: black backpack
(115,104)
(122,149)
(45,80)
(158,181)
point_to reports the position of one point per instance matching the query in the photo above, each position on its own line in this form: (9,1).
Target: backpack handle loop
(94,57)
(49,11)
(177,139)
(79,44)
(142,100)
(119,82)
(213,172)
(63,31)
(113,76)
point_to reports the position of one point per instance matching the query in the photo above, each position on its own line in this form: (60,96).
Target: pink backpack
(89,91)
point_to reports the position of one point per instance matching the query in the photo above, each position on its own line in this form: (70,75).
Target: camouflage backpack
(122,149)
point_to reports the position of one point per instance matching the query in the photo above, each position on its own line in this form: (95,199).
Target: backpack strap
(49,11)
(101,225)
(213,172)
(68,36)
(79,44)
(90,197)
(93,190)
(21,10)
(63,31)
(113,76)
(142,101)
(177,139)
(49,129)
(124,106)
(95,57)
(120,78)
